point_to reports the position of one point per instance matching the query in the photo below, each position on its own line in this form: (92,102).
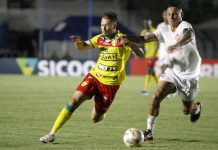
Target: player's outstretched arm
(141,39)
(78,43)
(136,49)
(186,38)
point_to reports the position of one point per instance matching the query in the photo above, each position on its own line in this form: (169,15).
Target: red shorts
(104,94)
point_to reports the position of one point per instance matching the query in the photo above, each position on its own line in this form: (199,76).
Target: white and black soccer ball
(133,137)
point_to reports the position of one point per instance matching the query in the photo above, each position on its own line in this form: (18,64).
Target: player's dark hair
(110,15)
(178,6)
(175,5)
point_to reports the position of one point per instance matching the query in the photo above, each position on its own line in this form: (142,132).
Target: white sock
(150,122)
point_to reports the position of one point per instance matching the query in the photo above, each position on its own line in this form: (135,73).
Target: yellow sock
(64,115)
(155,79)
(147,81)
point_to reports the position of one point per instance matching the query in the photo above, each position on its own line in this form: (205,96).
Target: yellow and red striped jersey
(110,67)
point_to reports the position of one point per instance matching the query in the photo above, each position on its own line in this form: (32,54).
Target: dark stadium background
(41,28)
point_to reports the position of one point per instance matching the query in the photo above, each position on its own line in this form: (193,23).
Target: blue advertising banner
(9,66)
(44,67)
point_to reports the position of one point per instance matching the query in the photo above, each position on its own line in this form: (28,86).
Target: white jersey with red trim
(185,60)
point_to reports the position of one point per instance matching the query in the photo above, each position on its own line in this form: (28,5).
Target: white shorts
(187,88)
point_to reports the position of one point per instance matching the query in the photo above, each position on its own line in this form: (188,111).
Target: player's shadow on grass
(183,140)
(55,143)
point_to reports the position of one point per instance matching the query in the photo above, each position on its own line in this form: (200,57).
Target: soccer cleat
(195,116)
(48,138)
(144,93)
(148,136)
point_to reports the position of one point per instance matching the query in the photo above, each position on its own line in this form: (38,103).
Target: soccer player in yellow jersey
(150,55)
(103,81)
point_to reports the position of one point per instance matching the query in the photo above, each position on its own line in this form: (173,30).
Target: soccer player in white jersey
(184,72)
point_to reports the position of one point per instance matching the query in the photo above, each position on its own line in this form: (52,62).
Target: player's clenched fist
(75,38)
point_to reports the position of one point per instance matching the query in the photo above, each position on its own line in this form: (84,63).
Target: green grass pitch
(29,106)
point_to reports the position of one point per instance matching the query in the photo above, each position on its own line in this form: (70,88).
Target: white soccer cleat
(48,138)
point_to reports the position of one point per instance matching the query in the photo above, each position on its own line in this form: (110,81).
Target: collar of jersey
(107,39)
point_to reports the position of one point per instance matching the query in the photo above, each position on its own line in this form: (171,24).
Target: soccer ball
(133,137)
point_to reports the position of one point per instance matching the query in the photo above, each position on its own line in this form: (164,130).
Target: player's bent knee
(75,101)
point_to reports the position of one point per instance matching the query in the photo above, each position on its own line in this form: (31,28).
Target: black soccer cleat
(196,116)
(148,136)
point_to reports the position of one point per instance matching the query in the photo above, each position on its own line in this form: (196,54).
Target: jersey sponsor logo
(109,57)
(103,49)
(106,76)
(107,68)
